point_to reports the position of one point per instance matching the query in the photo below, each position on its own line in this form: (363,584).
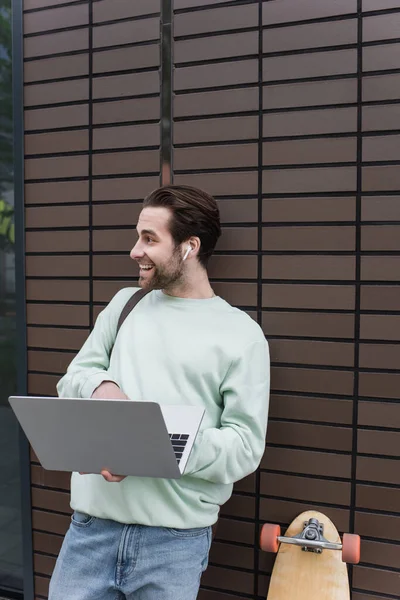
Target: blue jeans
(105,560)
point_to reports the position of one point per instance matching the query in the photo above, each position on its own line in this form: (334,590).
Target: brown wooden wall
(288,112)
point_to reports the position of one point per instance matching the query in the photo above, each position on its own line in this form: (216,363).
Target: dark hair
(193,213)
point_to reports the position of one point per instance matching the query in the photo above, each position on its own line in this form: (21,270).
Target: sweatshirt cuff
(93,382)
(191,465)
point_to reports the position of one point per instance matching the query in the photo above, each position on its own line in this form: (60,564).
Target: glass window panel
(10,511)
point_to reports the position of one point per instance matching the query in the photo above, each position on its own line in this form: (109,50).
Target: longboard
(315,573)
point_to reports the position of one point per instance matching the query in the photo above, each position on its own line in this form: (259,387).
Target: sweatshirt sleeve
(233,451)
(90,366)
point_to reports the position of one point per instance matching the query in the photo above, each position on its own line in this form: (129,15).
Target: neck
(196,287)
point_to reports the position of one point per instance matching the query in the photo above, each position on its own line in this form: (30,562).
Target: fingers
(112,478)
(108,476)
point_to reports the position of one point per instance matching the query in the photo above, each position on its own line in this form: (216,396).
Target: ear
(195,244)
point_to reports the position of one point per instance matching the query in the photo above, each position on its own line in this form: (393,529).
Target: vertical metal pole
(22,368)
(166,92)
(257,525)
(357,307)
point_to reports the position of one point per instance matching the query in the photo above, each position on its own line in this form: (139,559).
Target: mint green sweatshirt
(178,350)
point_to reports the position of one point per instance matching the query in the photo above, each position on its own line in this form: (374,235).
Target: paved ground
(10,511)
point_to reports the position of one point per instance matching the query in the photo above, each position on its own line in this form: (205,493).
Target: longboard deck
(299,575)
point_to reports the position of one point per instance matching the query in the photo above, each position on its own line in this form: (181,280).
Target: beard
(165,276)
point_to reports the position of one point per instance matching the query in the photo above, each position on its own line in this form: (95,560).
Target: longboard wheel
(269,537)
(351,548)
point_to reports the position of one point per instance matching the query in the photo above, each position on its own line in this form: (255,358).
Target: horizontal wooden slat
(206,76)
(304,408)
(303,488)
(239,506)
(108,10)
(123,189)
(43,564)
(323,179)
(285,11)
(378,553)
(56,18)
(379,414)
(55,192)
(47,521)
(216,157)
(212,595)
(126,31)
(221,46)
(120,111)
(312,93)
(312,380)
(311,35)
(51,168)
(57,117)
(379,442)
(232,556)
(219,19)
(376,580)
(308,209)
(306,462)
(229,580)
(337,62)
(309,267)
(53,266)
(47,543)
(56,68)
(62,338)
(215,130)
(41,585)
(59,314)
(42,385)
(234,531)
(310,122)
(126,162)
(64,241)
(282,511)
(381,470)
(221,184)
(58,289)
(48,361)
(379,526)
(125,85)
(63,141)
(310,324)
(339,354)
(379,385)
(377,497)
(54,43)
(50,479)
(54,93)
(50,500)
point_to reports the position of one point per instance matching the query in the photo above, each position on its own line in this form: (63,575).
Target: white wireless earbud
(189,249)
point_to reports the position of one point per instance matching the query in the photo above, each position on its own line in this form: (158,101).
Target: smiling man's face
(160,260)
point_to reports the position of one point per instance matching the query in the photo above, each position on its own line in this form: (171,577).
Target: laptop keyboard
(179,441)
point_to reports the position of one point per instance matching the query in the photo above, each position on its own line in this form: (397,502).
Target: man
(145,538)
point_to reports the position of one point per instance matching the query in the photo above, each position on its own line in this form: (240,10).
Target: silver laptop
(125,437)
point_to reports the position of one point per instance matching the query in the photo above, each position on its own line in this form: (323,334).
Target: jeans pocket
(209,542)
(188,533)
(81,519)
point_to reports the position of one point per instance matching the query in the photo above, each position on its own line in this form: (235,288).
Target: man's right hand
(109,390)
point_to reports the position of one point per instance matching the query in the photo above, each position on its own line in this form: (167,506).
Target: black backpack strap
(129,306)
